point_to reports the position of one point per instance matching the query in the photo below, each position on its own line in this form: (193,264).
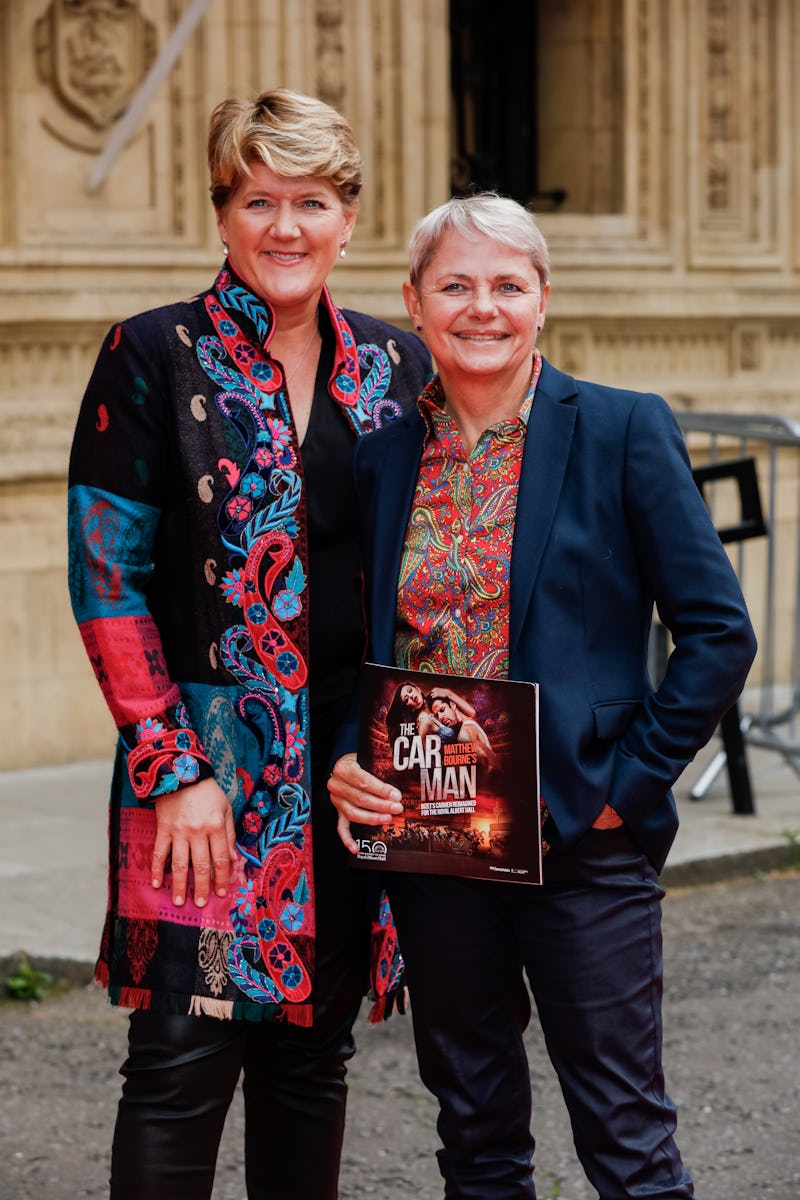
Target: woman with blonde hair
(216,580)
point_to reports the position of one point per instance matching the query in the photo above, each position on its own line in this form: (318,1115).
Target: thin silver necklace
(293,372)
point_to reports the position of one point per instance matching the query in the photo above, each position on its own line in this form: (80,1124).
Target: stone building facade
(667,146)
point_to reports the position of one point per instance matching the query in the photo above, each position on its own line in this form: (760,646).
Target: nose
(284,222)
(483,302)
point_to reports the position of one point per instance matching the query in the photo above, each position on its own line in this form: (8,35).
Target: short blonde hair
(291,134)
(496,217)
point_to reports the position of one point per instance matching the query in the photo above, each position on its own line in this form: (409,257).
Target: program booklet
(464,753)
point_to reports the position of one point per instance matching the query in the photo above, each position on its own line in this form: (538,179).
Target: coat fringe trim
(298,1014)
(233,1010)
(174,1002)
(384,1006)
(207,1006)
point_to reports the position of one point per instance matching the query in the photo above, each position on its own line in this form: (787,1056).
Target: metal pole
(126,127)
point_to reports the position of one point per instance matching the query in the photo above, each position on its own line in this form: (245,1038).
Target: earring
(418,328)
(342,250)
(224,247)
(539,325)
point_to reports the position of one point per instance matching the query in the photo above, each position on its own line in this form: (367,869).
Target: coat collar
(363,401)
(397,470)
(544,464)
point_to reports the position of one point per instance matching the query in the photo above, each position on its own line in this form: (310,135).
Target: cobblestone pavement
(731,1048)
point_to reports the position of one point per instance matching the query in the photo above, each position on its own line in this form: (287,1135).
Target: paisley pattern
(189,581)
(212,958)
(454,585)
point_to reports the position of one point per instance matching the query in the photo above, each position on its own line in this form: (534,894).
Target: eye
(257,202)
(311,202)
(508,288)
(454,288)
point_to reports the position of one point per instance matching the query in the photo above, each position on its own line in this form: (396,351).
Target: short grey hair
(496,217)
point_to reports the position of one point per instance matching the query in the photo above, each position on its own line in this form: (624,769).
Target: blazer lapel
(547,446)
(396,479)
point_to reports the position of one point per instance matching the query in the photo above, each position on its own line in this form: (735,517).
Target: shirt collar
(431,402)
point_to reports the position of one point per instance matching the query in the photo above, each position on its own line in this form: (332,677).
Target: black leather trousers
(182,1071)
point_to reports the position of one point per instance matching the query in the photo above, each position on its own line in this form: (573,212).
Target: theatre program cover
(465,755)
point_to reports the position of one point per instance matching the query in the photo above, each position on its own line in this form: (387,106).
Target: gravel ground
(731,1009)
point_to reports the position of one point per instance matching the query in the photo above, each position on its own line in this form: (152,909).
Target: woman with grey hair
(522,524)
(216,580)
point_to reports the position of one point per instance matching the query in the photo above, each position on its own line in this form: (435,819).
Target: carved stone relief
(330,56)
(78,64)
(734,177)
(92,55)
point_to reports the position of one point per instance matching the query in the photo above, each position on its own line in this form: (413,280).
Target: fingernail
(156,883)
(200,901)
(178,900)
(222,891)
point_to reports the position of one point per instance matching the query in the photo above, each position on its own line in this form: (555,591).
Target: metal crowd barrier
(748,469)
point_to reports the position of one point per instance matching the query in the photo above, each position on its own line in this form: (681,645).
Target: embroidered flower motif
(295,740)
(148,729)
(291,977)
(252,485)
(183,740)
(257,613)
(239,508)
(293,917)
(232,586)
(186,768)
(263,458)
(271,774)
(280,956)
(271,640)
(243,352)
(252,822)
(286,662)
(280,433)
(227,327)
(263,372)
(267,929)
(345,384)
(286,605)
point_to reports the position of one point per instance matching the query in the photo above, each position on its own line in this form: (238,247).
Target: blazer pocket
(612,717)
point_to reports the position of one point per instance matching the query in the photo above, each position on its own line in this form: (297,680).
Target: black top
(336,610)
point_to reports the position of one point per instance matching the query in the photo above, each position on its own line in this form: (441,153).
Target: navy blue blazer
(609,522)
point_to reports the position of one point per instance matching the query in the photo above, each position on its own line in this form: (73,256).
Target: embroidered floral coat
(187,574)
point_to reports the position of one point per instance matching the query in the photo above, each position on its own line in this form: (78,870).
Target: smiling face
(284,235)
(479,303)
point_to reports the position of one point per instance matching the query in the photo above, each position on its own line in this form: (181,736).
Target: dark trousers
(181,1072)
(589,941)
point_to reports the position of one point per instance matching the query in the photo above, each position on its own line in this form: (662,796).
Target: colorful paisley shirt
(455,575)
(454,586)
(188,579)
